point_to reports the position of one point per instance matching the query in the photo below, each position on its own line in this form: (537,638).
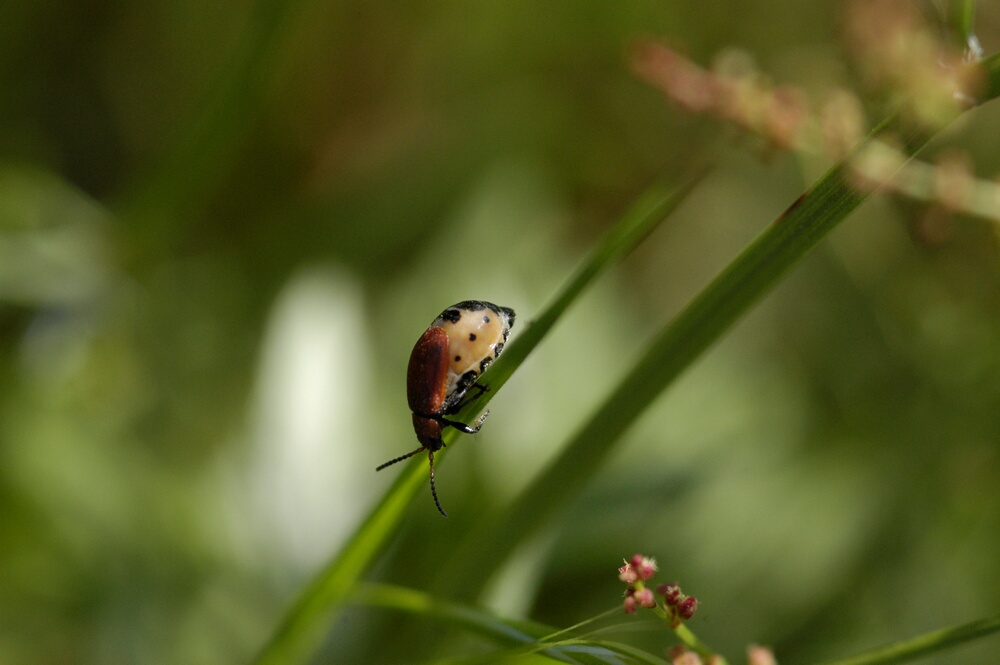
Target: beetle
(445,366)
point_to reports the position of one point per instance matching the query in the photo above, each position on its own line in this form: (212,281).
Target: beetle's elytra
(444,371)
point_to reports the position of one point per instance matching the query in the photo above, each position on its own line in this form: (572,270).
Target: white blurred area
(307,419)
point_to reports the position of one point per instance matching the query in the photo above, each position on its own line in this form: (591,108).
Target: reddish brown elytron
(426,385)
(444,369)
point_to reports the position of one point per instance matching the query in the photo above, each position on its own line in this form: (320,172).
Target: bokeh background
(223,226)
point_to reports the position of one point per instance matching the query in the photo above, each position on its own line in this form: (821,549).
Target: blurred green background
(223,227)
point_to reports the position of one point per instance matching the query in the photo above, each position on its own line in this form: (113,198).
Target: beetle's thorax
(428,432)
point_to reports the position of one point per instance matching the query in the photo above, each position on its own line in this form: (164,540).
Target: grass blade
(304,623)
(747,279)
(534,636)
(925,645)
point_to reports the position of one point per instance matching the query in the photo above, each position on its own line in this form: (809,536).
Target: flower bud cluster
(901,59)
(898,54)
(635,573)
(678,604)
(734,92)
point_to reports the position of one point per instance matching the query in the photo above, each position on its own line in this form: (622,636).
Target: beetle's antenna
(434,492)
(399,459)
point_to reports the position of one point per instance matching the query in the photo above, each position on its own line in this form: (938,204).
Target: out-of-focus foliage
(222,229)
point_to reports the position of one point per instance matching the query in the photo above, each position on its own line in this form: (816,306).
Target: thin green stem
(924,645)
(413,601)
(529,637)
(687,636)
(586,622)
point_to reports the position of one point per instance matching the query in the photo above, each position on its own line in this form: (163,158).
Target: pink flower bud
(645,597)
(675,651)
(638,568)
(671,593)
(630,604)
(687,607)
(646,567)
(686,658)
(757,655)
(628,574)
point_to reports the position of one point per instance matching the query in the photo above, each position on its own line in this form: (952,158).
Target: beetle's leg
(462,427)
(479,388)
(467,398)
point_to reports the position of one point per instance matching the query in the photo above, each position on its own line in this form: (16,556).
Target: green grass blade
(699,326)
(526,635)
(305,622)
(925,645)
(991,70)
(303,625)
(585,652)
(598,647)
(752,274)
(636,224)
(481,622)
(532,636)
(961,15)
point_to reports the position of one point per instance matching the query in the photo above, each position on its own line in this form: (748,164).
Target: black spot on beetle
(498,348)
(472,337)
(471,305)
(484,363)
(486,319)
(457,358)
(451,315)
